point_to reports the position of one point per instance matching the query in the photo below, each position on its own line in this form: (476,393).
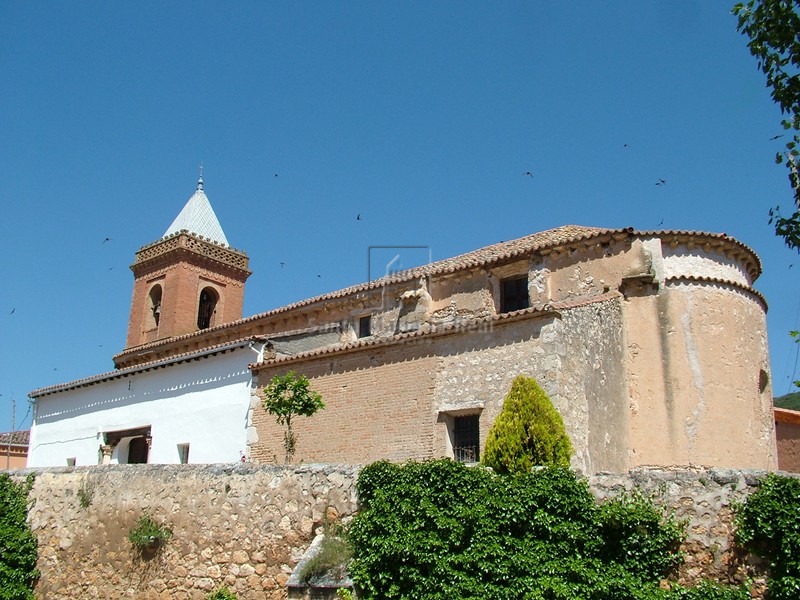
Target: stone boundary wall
(246,527)
(237,525)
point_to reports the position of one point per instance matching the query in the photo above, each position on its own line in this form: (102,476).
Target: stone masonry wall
(247,527)
(233,525)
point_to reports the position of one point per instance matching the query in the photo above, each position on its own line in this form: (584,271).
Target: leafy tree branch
(288,396)
(773,27)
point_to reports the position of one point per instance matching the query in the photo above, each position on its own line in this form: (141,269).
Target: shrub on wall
(527,432)
(17,544)
(222,593)
(769,525)
(148,535)
(440,530)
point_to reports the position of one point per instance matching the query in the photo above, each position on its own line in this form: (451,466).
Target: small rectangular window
(71,461)
(514,294)
(183,453)
(365,326)
(466,439)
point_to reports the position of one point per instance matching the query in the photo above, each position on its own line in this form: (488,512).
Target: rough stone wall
(703,499)
(237,526)
(593,385)
(247,527)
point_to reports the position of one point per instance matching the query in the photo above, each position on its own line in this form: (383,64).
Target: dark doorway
(137,451)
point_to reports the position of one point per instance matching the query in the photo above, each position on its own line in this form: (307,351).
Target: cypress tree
(527,432)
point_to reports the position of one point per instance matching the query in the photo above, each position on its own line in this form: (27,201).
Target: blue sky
(422,117)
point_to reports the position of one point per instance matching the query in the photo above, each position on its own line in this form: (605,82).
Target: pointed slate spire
(199,218)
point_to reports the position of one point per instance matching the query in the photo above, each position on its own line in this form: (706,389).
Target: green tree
(288,396)
(17,544)
(773,27)
(527,432)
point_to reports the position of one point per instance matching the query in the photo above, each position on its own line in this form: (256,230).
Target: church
(652,345)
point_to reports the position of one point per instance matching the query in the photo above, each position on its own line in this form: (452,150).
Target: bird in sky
(13,310)
(528,173)
(625,146)
(318,275)
(661,182)
(108,239)
(661,223)
(276,174)
(283,264)
(358,217)
(775,137)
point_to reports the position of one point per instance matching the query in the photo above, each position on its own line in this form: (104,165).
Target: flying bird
(775,137)
(106,240)
(358,217)
(661,182)
(528,173)
(276,174)
(661,223)
(318,275)
(625,146)
(283,264)
(13,310)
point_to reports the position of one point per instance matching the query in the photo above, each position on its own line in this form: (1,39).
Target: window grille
(466,439)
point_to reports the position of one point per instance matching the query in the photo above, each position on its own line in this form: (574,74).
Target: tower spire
(200,180)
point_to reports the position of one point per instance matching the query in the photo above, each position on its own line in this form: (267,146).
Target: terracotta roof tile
(147,366)
(495,253)
(15,438)
(448,328)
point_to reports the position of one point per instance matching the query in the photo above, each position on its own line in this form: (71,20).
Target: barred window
(466,439)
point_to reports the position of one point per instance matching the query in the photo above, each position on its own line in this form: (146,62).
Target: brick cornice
(187,247)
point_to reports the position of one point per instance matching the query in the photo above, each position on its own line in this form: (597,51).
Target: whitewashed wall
(202,403)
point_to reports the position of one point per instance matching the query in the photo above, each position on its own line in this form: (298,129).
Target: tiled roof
(487,256)
(154,364)
(198,217)
(474,324)
(15,438)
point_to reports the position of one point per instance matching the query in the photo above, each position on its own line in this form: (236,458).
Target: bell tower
(188,280)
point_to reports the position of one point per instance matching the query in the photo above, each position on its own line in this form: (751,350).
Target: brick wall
(395,401)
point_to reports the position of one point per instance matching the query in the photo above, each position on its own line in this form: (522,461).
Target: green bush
(17,545)
(147,534)
(222,593)
(636,535)
(769,525)
(440,530)
(527,432)
(332,558)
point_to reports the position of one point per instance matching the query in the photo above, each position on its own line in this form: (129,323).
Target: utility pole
(11,435)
